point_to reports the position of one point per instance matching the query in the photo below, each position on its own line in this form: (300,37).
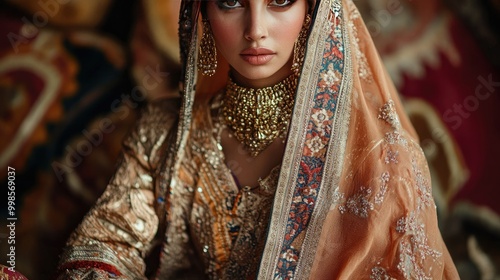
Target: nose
(255,20)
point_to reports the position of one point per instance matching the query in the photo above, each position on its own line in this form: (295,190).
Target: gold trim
(333,163)
(98,254)
(296,141)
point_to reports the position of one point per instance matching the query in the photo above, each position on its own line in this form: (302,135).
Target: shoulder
(153,129)
(159,113)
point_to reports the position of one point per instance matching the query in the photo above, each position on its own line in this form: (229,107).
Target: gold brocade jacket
(216,228)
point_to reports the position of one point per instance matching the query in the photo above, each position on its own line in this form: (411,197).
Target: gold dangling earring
(207,56)
(299,48)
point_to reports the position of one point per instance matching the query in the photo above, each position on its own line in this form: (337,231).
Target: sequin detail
(364,200)
(414,248)
(388,113)
(391,157)
(384,181)
(229,236)
(364,71)
(379,273)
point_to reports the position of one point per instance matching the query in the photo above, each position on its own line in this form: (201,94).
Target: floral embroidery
(414,249)
(364,71)
(379,273)
(287,263)
(423,187)
(360,204)
(338,198)
(321,118)
(315,145)
(290,255)
(388,113)
(391,157)
(395,138)
(330,78)
(379,197)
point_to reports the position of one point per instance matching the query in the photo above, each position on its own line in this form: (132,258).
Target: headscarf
(354,197)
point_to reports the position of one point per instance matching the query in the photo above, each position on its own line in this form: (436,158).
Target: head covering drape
(354,199)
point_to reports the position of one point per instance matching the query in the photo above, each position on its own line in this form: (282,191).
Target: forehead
(310,3)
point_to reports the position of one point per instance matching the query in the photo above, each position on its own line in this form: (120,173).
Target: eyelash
(222,4)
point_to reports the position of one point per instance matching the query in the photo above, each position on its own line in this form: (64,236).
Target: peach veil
(354,198)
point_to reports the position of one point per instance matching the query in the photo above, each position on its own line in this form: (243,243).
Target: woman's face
(256,37)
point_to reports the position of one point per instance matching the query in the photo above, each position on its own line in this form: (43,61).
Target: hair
(204,8)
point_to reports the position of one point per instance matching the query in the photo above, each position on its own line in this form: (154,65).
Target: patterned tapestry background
(73,77)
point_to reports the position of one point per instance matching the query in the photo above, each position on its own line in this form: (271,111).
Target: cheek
(225,29)
(225,34)
(291,32)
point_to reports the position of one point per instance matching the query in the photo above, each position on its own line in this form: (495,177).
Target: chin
(257,74)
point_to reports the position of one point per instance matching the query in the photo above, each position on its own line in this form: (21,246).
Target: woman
(238,187)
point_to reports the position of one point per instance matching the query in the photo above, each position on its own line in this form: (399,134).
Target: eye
(229,4)
(281,3)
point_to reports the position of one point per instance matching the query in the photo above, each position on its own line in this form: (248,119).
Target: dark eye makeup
(233,4)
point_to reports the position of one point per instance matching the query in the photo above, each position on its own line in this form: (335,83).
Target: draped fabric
(351,199)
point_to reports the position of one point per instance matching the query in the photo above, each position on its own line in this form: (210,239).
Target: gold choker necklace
(258,116)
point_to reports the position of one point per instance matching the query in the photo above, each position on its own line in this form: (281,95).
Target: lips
(257,56)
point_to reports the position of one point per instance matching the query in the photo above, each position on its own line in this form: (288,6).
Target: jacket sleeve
(115,236)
